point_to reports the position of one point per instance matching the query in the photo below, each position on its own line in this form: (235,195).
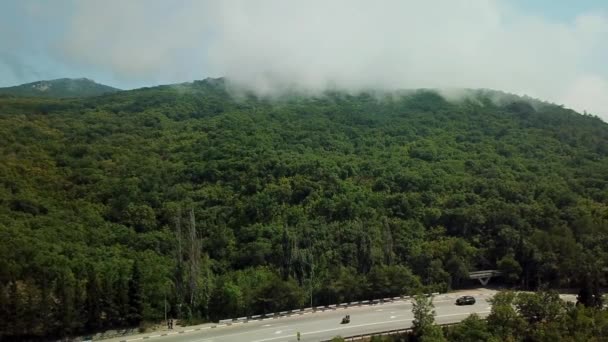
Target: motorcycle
(346,319)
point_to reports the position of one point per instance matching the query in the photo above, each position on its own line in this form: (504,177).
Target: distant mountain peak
(60,88)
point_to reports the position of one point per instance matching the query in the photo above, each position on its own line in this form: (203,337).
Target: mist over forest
(226,206)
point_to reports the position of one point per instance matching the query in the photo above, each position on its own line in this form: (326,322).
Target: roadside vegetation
(116,207)
(540,316)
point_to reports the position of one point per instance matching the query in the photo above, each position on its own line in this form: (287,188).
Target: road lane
(325,325)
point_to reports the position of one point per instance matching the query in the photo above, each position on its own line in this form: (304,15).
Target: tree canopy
(222,206)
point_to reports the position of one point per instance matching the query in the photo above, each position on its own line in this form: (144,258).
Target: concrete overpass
(484,276)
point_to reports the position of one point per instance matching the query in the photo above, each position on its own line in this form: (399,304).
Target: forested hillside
(231,206)
(59,88)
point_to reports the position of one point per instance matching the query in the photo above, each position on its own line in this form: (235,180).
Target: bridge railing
(385,333)
(484,274)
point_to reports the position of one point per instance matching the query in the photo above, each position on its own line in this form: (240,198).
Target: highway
(325,325)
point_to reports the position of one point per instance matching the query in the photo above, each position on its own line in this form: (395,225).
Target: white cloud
(138,40)
(590,94)
(269,45)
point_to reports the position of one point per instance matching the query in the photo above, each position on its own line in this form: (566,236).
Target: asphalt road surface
(325,325)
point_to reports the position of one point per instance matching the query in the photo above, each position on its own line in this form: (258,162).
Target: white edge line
(367,324)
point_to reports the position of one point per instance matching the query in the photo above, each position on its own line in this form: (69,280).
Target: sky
(554,50)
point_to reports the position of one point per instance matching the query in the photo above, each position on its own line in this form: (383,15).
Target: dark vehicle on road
(465,300)
(346,319)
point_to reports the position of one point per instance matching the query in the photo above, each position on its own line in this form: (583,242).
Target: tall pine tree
(93,301)
(136,297)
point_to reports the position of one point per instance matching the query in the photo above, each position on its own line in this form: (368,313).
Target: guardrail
(245,319)
(275,315)
(385,333)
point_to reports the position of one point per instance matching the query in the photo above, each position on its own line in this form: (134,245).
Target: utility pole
(195,256)
(179,258)
(312,274)
(178,233)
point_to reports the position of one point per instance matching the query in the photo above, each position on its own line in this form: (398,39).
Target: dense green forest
(225,206)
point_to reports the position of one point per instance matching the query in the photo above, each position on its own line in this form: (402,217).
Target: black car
(465,300)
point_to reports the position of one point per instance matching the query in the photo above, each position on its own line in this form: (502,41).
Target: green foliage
(539,307)
(135,297)
(471,329)
(432,333)
(590,294)
(540,316)
(504,321)
(510,268)
(239,206)
(390,281)
(424,317)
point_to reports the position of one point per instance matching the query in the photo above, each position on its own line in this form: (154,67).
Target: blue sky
(560,10)
(554,50)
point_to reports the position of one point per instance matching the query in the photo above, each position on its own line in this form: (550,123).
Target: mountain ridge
(84,87)
(59,88)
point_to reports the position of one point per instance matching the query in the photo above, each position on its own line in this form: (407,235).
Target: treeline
(230,206)
(540,316)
